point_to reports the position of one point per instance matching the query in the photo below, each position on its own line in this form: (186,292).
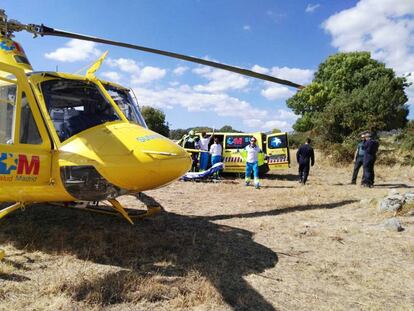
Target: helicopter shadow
(223,254)
(284,177)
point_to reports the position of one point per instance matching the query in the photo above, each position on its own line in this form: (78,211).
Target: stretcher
(194,176)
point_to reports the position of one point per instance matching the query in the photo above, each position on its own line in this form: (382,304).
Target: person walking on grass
(358,159)
(252,163)
(305,157)
(370,155)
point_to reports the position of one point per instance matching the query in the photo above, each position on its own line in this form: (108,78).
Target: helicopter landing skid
(5,211)
(128,214)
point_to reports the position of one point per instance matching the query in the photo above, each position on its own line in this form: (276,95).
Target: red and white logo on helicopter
(21,164)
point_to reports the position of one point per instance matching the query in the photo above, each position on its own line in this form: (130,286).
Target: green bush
(406,142)
(341,153)
(297,138)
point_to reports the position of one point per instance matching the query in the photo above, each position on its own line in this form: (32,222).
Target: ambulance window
(29,133)
(237,141)
(276,142)
(8,92)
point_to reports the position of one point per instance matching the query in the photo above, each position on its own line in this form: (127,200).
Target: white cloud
(383,27)
(297,75)
(202,70)
(75,50)
(180,70)
(247,27)
(310,8)
(185,96)
(223,105)
(260,69)
(138,75)
(272,124)
(410,90)
(112,76)
(281,119)
(124,64)
(210,97)
(275,92)
(148,74)
(220,80)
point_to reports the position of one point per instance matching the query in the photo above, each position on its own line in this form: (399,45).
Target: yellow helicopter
(66,138)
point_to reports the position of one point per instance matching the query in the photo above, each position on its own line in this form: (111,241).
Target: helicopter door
(278,151)
(25,148)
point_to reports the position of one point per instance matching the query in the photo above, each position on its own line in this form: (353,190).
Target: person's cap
(253,139)
(191,132)
(367,134)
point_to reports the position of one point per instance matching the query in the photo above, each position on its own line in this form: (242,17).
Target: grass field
(218,246)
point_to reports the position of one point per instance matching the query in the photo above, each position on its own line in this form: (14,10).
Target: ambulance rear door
(233,144)
(278,151)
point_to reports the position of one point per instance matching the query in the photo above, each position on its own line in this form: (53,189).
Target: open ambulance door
(278,151)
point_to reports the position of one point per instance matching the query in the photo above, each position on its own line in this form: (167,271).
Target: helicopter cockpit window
(125,102)
(75,106)
(21,59)
(8,94)
(29,133)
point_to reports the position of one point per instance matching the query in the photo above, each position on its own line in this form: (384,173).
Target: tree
(178,133)
(351,92)
(275,131)
(155,120)
(228,129)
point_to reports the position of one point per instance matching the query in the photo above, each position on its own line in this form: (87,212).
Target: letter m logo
(25,167)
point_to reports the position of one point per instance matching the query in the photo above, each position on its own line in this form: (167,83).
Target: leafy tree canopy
(351,92)
(179,133)
(228,129)
(155,120)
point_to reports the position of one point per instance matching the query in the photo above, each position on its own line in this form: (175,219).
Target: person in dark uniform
(358,158)
(306,158)
(371,148)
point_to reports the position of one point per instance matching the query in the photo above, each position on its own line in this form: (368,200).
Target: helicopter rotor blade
(47,31)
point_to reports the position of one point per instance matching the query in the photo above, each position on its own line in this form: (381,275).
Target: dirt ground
(218,246)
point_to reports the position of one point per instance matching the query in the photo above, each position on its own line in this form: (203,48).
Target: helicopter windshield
(125,101)
(75,106)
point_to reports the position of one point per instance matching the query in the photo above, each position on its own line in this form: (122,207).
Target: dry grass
(218,247)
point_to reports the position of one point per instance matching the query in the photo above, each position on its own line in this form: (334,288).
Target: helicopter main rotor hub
(8,27)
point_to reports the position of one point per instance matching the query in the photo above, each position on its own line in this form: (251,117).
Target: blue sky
(287,39)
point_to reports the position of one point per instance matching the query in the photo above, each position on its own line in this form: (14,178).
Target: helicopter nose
(153,161)
(129,156)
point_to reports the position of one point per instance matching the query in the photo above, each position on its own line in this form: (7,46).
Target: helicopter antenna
(7,27)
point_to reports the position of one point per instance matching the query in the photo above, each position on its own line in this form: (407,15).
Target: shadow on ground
(223,254)
(288,177)
(393,185)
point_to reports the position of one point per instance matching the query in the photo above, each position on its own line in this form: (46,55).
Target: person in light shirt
(203,143)
(216,150)
(252,163)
